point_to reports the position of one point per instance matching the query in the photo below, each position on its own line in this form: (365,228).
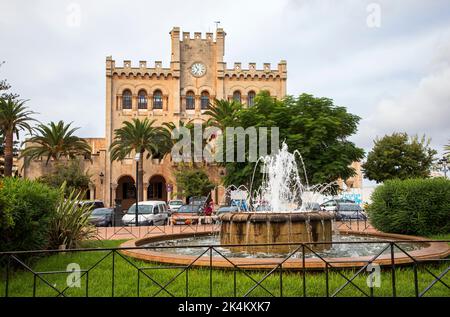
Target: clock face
(198,69)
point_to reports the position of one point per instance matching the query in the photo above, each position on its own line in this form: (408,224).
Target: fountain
(282,213)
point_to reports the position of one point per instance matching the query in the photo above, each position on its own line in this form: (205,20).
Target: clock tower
(199,60)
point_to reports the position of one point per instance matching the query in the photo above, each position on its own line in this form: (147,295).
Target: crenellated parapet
(141,70)
(252,72)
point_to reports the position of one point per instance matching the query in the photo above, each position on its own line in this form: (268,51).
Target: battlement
(141,69)
(253,71)
(197,36)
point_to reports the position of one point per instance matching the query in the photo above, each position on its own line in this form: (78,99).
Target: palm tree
(223,114)
(14,117)
(55,141)
(447,150)
(140,136)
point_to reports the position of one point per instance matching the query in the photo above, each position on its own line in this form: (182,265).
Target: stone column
(145,191)
(113,194)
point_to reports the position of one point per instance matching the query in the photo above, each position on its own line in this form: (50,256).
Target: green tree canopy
(315,127)
(69,173)
(55,141)
(399,156)
(193,182)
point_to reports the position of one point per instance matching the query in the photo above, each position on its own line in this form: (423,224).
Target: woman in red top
(209,209)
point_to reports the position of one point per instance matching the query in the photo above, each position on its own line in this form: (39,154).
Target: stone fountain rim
(432,250)
(271,216)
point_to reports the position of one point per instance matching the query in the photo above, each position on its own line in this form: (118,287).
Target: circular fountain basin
(274,228)
(170,249)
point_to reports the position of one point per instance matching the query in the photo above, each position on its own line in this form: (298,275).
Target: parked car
(347,211)
(331,205)
(187,214)
(226,209)
(311,206)
(174,205)
(150,213)
(94,203)
(263,207)
(197,200)
(102,217)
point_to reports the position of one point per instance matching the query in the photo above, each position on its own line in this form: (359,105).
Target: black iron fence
(116,272)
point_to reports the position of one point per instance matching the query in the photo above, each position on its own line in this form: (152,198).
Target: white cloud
(425,109)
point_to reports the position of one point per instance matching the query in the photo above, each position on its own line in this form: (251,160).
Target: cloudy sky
(387,61)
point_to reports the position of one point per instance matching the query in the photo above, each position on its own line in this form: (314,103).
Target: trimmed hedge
(412,206)
(26,208)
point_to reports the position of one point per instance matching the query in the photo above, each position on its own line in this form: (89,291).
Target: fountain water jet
(287,219)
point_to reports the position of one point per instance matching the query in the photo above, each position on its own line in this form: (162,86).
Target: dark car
(311,206)
(226,209)
(187,214)
(93,203)
(102,217)
(331,205)
(347,211)
(197,200)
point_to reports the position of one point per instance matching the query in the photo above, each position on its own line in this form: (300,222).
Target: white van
(150,213)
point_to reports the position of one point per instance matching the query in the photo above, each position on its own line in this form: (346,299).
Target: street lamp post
(443,163)
(137,158)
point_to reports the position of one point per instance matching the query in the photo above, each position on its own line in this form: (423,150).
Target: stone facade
(168,95)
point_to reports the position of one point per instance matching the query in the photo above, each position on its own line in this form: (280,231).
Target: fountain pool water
(339,249)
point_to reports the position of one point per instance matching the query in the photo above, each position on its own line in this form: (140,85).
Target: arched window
(190,100)
(126,99)
(237,96)
(142,99)
(204,100)
(157,99)
(251,98)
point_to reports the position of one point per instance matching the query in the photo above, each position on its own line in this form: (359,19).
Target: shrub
(413,206)
(26,209)
(70,172)
(70,224)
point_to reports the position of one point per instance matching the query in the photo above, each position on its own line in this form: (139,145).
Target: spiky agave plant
(71,222)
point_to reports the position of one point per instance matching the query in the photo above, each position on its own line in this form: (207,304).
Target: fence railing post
(416,281)
(113,268)
(303,270)
(394,290)
(281,280)
(8,264)
(210,271)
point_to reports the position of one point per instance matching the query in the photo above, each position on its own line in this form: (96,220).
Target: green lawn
(125,284)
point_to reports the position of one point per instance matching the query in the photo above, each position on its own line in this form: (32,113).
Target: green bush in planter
(26,209)
(412,206)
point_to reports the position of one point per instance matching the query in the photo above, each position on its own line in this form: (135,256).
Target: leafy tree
(315,127)
(193,182)
(55,141)
(14,117)
(140,136)
(69,173)
(399,156)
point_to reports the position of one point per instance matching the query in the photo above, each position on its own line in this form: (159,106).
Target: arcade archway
(126,191)
(157,188)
